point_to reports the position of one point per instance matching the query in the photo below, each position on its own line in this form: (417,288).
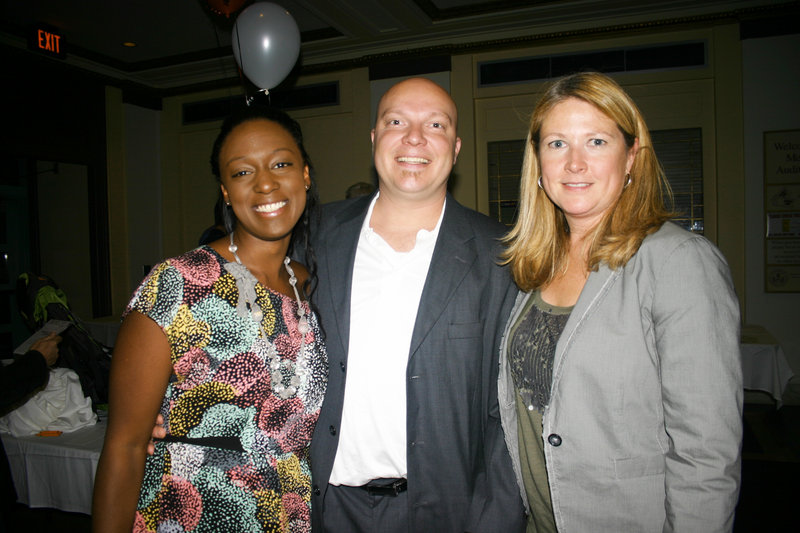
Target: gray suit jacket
(646,398)
(459,470)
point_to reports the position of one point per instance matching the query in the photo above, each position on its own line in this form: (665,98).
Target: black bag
(40,299)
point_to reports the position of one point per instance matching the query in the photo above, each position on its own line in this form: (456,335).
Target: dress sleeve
(696,326)
(159,296)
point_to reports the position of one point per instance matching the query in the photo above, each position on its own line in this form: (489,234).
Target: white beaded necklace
(247,306)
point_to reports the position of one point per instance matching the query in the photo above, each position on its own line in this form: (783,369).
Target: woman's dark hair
(300,242)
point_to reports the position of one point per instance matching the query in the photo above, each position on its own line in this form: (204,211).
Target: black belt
(225,443)
(386,486)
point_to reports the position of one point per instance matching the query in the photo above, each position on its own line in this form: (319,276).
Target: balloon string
(249,99)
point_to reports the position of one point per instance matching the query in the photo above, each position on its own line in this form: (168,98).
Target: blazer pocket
(464,331)
(652,465)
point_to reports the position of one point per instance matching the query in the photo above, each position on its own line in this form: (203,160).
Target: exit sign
(47,40)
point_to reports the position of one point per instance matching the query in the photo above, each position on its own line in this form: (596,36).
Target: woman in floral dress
(223,344)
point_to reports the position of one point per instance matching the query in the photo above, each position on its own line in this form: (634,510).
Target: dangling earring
(540,183)
(628,175)
(227,218)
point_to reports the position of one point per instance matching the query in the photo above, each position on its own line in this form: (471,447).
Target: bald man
(413,304)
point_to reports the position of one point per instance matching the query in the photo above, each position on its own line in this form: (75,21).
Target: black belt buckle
(386,487)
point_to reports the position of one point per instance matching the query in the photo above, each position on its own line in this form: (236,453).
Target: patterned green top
(532,352)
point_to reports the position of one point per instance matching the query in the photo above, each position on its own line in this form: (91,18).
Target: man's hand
(158,433)
(48,347)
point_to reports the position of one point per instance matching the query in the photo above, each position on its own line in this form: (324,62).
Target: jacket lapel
(339,261)
(452,258)
(596,286)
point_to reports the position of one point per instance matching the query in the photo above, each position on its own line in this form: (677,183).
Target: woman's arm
(140,370)
(696,319)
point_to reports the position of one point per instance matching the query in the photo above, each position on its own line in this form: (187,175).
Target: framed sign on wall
(782,210)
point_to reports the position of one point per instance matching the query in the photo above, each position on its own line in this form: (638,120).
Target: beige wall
(770,104)
(670,99)
(337,138)
(339,152)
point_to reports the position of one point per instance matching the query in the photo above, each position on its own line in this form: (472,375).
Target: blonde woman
(620,381)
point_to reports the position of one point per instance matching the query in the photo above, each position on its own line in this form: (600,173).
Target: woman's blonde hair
(538,244)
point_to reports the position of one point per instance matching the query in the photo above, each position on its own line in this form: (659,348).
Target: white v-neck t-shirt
(386,290)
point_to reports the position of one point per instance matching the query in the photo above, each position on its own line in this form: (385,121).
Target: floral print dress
(237,455)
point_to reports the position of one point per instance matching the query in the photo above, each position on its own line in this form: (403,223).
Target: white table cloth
(764,368)
(56,472)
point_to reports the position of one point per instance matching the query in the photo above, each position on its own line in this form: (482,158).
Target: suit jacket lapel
(452,258)
(339,262)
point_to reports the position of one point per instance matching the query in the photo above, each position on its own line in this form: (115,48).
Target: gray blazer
(643,430)
(459,470)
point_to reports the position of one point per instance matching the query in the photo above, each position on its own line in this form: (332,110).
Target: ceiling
(182,43)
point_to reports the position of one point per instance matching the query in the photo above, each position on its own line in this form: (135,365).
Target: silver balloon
(266,43)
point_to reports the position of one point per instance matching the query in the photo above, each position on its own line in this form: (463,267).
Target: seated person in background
(18,380)
(28,372)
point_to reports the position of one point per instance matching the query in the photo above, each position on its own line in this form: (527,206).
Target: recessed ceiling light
(129,44)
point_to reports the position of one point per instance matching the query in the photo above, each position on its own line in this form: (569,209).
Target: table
(764,368)
(56,472)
